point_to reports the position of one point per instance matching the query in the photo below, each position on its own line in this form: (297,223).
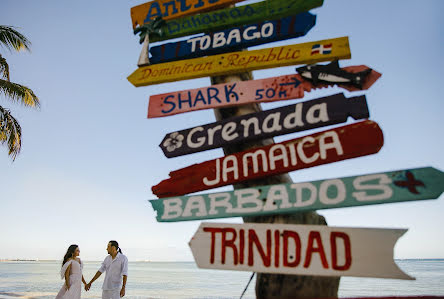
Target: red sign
(238,93)
(346,142)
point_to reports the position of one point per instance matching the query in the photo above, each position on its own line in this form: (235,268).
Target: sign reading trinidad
(297,249)
(234,39)
(367,189)
(245,92)
(341,143)
(235,62)
(230,17)
(302,116)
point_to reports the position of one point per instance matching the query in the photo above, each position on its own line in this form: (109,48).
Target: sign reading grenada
(233,16)
(312,114)
(346,142)
(169,9)
(234,39)
(297,249)
(235,62)
(243,92)
(377,188)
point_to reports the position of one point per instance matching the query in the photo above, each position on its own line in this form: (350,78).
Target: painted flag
(321,49)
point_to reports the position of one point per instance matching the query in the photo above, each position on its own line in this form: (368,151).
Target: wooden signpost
(170,9)
(297,249)
(243,92)
(242,61)
(346,142)
(377,188)
(232,17)
(234,39)
(302,116)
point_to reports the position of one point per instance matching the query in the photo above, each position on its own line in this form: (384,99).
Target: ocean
(40,279)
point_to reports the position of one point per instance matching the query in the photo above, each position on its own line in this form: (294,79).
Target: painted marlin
(332,73)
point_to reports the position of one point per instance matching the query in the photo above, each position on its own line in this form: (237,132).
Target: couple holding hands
(115,265)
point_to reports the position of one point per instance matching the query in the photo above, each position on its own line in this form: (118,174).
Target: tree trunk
(270,286)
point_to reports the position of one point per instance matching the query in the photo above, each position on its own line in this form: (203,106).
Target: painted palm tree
(10,131)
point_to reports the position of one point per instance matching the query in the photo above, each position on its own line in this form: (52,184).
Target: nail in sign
(376,188)
(346,142)
(297,249)
(244,92)
(312,114)
(235,62)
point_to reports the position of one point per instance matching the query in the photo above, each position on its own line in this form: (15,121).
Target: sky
(90,156)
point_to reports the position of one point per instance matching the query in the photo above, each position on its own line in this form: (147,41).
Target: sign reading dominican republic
(367,189)
(345,142)
(297,249)
(244,92)
(302,116)
(232,17)
(242,61)
(234,39)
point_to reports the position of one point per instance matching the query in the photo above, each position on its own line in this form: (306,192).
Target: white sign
(297,249)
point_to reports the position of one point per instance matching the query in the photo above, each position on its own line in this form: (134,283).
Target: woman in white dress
(72,273)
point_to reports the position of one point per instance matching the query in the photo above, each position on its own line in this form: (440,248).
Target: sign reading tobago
(244,92)
(368,189)
(341,143)
(234,39)
(302,116)
(297,249)
(235,62)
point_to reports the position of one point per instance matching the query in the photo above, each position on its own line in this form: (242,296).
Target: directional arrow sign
(234,39)
(377,188)
(317,113)
(351,141)
(168,10)
(297,249)
(229,94)
(234,16)
(243,61)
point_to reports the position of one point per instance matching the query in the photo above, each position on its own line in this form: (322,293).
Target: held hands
(87,286)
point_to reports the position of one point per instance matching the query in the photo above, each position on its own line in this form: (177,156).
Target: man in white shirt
(116,267)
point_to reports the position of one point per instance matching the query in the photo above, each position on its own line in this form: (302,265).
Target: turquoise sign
(378,188)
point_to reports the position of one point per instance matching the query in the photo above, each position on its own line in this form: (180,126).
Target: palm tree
(10,131)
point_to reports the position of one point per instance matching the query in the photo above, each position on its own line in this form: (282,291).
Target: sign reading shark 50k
(235,62)
(234,39)
(232,17)
(346,142)
(243,92)
(294,118)
(368,189)
(297,249)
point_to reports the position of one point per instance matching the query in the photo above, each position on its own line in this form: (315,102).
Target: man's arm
(122,291)
(88,286)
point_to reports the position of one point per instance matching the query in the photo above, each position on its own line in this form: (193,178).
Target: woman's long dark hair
(115,244)
(69,253)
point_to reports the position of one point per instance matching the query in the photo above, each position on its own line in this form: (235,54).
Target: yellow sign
(243,61)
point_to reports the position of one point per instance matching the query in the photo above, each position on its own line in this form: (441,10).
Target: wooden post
(279,286)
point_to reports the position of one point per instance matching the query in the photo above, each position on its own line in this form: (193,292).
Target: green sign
(378,188)
(231,17)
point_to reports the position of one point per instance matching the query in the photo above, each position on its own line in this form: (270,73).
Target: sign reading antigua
(368,189)
(312,114)
(297,249)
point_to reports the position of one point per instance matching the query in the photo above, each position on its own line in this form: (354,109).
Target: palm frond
(10,132)
(12,39)
(19,93)
(4,68)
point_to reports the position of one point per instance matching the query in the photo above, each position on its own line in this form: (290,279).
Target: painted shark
(332,73)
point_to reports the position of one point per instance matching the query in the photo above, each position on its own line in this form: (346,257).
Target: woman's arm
(67,273)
